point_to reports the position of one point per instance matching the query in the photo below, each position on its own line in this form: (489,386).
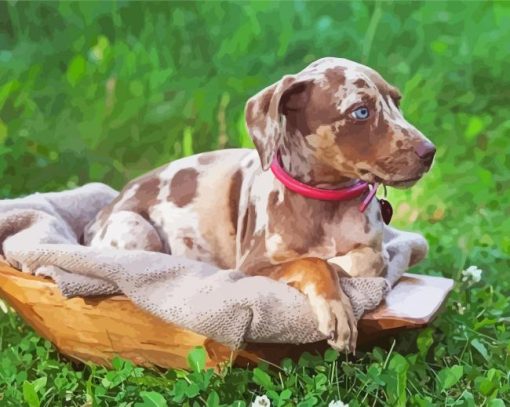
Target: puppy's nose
(426,152)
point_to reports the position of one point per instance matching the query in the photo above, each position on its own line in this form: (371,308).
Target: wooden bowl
(96,329)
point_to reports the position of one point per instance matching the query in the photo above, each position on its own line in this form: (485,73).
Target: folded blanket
(41,234)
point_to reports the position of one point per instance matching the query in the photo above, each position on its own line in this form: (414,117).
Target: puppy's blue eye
(361,113)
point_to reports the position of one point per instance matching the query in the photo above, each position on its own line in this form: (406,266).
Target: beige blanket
(40,234)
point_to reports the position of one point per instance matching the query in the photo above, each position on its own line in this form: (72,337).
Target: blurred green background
(104,91)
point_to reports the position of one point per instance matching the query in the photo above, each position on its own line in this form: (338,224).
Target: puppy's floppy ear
(265,114)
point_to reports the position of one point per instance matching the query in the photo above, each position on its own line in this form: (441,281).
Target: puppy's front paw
(337,322)
(345,335)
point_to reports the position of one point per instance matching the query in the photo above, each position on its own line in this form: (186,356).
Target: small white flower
(337,403)
(472,274)
(261,401)
(460,308)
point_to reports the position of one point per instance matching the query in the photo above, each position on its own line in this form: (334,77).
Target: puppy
(334,127)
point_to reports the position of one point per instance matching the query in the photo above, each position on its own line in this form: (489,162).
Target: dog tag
(386,211)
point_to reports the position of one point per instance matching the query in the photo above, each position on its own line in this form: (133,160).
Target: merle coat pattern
(225,208)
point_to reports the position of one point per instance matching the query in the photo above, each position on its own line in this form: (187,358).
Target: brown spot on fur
(272,199)
(233,197)
(335,77)
(399,143)
(253,244)
(395,94)
(266,100)
(257,258)
(244,226)
(366,226)
(105,228)
(360,83)
(114,243)
(206,158)
(258,106)
(188,242)
(379,216)
(155,244)
(146,196)
(249,220)
(183,187)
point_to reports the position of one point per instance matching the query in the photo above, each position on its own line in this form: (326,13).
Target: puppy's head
(345,116)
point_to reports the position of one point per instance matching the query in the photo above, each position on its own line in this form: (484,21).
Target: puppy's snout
(426,151)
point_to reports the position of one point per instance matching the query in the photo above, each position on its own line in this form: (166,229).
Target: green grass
(108,90)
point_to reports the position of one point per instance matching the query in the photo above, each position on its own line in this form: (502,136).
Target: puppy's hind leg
(127,230)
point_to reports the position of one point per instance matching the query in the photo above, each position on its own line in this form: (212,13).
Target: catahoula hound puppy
(328,133)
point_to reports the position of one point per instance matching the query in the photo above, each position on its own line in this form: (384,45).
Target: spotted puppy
(333,123)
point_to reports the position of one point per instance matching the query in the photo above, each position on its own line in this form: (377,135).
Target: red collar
(340,194)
